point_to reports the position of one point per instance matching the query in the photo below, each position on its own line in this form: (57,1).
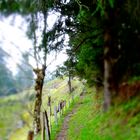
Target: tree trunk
(108,70)
(110,80)
(107,91)
(40,73)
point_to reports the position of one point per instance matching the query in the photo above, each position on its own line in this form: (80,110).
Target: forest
(102,42)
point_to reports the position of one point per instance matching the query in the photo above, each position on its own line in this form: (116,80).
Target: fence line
(55,115)
(43,126)
(46,120)
(59,109)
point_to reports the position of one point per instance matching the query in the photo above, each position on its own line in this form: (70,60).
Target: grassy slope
(119,123)
(15,108)
(60,92)
(12,113)
(89,122)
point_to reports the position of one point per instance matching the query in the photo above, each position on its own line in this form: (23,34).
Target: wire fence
(51,117)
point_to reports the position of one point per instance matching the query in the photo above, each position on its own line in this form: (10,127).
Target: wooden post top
(30,135)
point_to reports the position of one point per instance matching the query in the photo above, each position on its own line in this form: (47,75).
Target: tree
(99,32)
(50,40)
(68,69)
(103,24)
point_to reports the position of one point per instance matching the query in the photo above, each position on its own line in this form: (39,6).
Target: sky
(14,41)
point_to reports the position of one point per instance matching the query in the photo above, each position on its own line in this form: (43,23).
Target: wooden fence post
(49,104)
(47,126)
(55,115)
(59,109)
(30,135)
(43,126)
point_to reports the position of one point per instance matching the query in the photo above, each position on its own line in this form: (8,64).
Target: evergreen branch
(82,42)
(81,5)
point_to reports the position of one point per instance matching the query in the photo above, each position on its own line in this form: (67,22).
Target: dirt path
(63,133)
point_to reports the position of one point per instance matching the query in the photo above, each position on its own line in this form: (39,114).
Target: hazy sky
(14,41)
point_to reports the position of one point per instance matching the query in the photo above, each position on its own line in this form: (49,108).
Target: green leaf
(111,2)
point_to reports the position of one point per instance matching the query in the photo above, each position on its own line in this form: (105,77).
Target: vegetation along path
(62,135)
(63,132)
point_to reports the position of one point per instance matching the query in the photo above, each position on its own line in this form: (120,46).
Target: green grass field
(89,122)
(121,122)
(15,110)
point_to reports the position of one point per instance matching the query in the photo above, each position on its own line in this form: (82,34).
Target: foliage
(92,27)
(91,22)
(89,64)
(85,22)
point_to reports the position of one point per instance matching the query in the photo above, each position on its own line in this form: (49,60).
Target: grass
(19,134)
(56,128)
(10,112)
(16,108)
(121,122)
